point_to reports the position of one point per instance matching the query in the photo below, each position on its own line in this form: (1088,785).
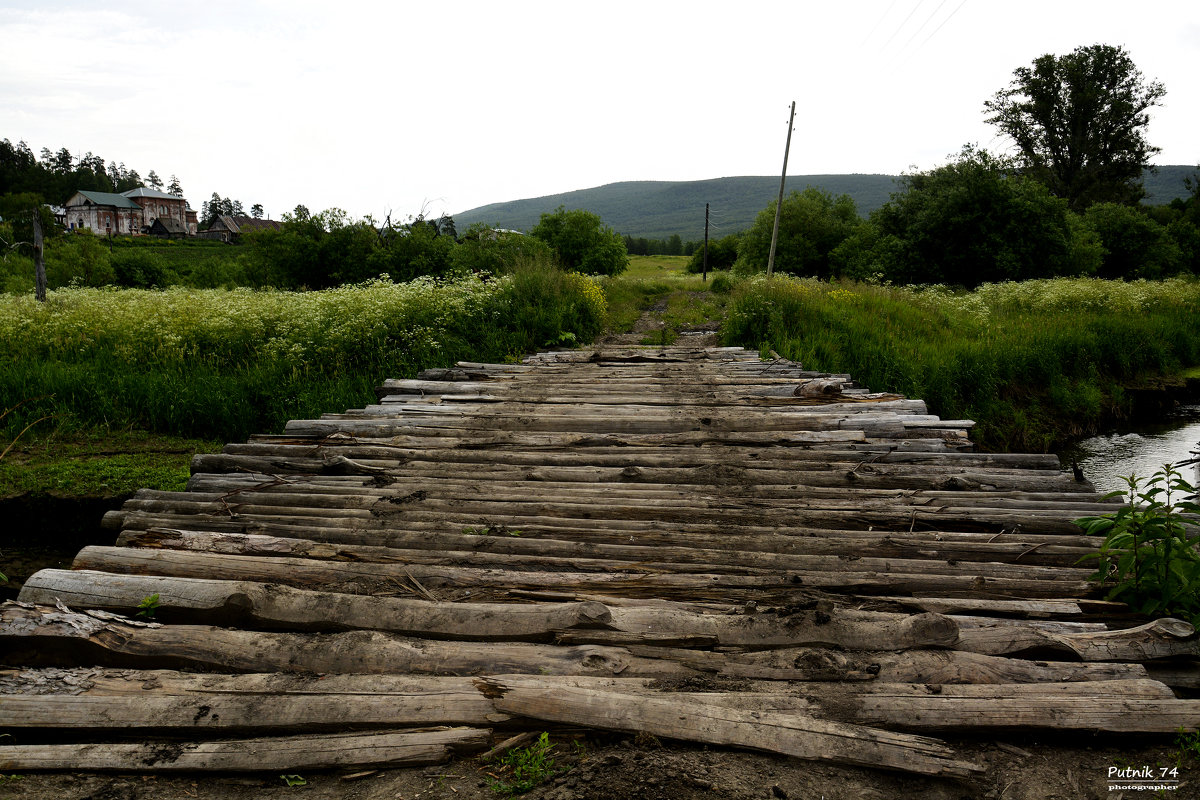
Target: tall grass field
(224,364)
(1034,363)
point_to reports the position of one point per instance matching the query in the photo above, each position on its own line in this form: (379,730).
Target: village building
(103,213)
(127,214)
(156,204)
(227,228)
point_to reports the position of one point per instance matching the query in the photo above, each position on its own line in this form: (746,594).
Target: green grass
(218,364)
(98,463)
(652,281)
(1034,363)
(654,266)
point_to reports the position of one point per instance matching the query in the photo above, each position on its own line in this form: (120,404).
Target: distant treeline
(58,175)
(671,246)
(975,220)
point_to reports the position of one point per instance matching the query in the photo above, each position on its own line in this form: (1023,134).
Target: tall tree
(174,187)
(153,181)
(1079,123)
(256,210)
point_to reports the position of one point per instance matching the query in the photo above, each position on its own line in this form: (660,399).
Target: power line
(923,24)
(939,27)
(879,21)
(902,24)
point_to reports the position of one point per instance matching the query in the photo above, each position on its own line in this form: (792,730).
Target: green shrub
(1149,557)
(721,284)
(972,221)
(722,253)
(811,226)
(137,269)
(582,242)
(487,251)
(1135,246)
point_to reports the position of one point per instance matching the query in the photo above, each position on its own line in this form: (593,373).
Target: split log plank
(288,754)
(680,718)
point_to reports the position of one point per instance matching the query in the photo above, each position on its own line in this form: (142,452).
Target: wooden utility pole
(39,261)
(706,242)
(779,204)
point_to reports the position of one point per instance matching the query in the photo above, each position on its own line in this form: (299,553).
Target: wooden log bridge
(691,543)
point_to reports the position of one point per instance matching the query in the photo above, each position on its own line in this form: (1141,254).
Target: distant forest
(58,175)
(658,210)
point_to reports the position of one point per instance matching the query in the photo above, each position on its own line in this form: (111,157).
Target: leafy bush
(721,284)
(487,251)
(1149,557)
(582,242)
(136,269)
(811,226)
(1135,246)
(722,253)
(972,221)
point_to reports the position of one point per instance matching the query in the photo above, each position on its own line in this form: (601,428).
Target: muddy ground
(611,767)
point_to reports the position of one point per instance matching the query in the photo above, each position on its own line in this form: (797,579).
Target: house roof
(256,224)
(146,191)
(169,225)
(240,224)
(224,222)
(104,199)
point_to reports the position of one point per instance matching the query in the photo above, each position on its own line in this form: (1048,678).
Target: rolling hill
(659,209)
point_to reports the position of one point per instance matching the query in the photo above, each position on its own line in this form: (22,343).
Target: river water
(1142,451)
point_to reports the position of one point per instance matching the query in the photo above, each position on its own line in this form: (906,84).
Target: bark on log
(681,718)
(247,604)
(388,578)
(287,754)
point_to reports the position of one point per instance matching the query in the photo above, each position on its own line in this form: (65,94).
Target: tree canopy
(583,242)
(1079,123)
(811,225)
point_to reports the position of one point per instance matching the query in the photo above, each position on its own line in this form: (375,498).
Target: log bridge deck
(691,543)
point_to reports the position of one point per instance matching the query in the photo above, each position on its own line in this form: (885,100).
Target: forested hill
(659,209)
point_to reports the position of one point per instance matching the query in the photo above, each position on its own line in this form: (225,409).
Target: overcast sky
(379,107)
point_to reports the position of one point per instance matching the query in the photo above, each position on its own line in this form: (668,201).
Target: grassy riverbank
(219,364)
(1034,363)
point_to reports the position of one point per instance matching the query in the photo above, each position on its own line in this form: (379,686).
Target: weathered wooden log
(265,445)
(897,477)
(290,753)
(1162,638)
(761,552)
(909,666)
(41,636)
(828,514)
(387,578)
(683,718)
(249,604)
(474,549)
(352,492)
(161,699)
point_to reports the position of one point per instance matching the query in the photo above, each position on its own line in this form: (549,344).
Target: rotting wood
(683,718)
(381,578)
(273,607)
(289,753)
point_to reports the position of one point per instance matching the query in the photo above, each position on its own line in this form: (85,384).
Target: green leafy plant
(1188,744)
(293,780)
(1149,557)
(530,766)
(148,607)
